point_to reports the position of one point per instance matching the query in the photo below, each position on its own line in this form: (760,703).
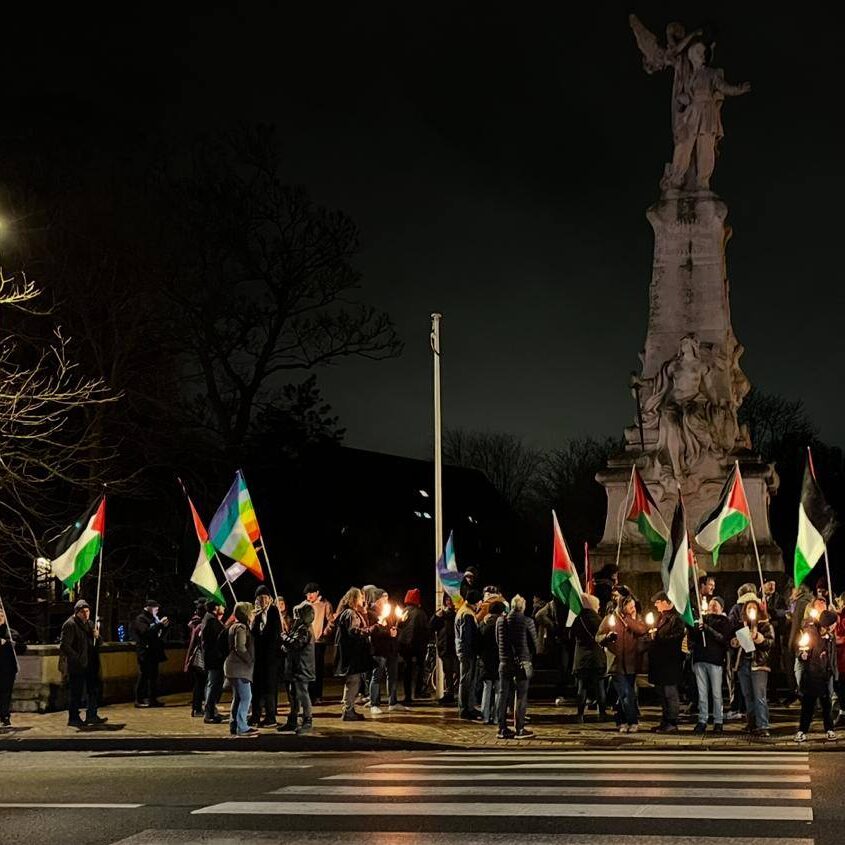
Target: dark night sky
(499,159)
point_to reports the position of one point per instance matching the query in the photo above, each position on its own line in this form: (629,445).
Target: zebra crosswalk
(629,796)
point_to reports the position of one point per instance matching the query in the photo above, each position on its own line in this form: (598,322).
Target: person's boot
(289,727)
(305,728)
(6,720)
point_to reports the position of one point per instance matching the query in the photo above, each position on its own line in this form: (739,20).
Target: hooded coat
(352,639)
(240,662)
(298,645)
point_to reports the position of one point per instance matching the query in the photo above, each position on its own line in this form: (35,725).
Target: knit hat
(151,603)
(720,600)
(413,596)
(745,598)
(473,597)
(81,605)
(746,588)
(311,587)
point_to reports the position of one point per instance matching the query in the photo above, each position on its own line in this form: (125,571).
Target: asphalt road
(451,798)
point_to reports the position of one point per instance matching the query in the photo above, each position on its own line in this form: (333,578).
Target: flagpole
(438,480)
(9,628)
(697,590)
(100,569)
(753,536)
(623,514)
(225,576)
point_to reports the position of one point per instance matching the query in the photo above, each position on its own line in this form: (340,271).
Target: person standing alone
(148,630)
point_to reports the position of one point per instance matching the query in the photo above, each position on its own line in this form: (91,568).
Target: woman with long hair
(353,659)
(238,667)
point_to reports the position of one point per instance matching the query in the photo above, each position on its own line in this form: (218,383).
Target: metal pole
(829,582)
(263,549)
(438,480)
(694,563)
(753,538)
(226,577)
(623,514)
(100,572)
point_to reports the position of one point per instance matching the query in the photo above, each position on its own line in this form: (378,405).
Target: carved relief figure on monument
(698,92)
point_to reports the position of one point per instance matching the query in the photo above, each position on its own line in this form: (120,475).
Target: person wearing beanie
(385,648)
(737,704)
(298,648)
(413,636)
(148,632)
(467,649)
(710,640)
(79,662)
(212,627)
(323,634)
(194,664)
(266,632)
(238,667)
(469,581)
(816,651)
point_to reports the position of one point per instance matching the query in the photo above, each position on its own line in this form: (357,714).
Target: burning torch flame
(804,641)
(752,614)
(649,619)
(385,612)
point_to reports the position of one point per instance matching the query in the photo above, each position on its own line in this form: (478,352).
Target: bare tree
(774,422)
(508,463)
(44,442)
(264,283)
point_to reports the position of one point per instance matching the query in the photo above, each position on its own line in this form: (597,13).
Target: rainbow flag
(447,572)
(234,529)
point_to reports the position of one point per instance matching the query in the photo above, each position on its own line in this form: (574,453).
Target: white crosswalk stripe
(708,786)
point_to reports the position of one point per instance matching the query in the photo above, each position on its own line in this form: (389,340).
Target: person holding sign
(754,637)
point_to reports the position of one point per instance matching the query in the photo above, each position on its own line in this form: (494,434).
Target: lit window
(424,494)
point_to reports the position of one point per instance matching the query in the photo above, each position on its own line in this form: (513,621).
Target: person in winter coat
(665,660)
(385,649)
(10,647)
(621,633)
(467,648)
(551,618)
(590,664)
(212,626)
(470,582)
(413,635)
(442,625)
(516,638)
(839,635)
(352,659)
(299,669)
(800,601)
(606,580)
(80,662)
(148,630)
(238,667)
(816,647)
(753,670)
(489,662)
(323,635)
(266,631)
(195,659)
(710,640)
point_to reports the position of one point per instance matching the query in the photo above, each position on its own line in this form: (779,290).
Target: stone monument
(686,434)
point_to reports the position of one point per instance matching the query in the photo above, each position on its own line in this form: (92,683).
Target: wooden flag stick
(623,514)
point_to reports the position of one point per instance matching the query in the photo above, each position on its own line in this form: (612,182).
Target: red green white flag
(79,546)
(203,575)
(645,513)
(566,584)
(816,524)
(730,517)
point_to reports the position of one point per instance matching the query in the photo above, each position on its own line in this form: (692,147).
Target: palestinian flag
(566,584)
(203,575)
(234,528)
(730,517)
(645,513)
(816,524)
(79,546)
(676,566)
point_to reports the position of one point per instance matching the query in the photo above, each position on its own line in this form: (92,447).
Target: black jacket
(266,639)
(589,655)
(352,638)
(298,647)
(211,630)
(77,648)
(413,630)
(715,642)
(383,644)
(516,638)
(818,664)
(489,648)
(665,658)
(148,633)
(443,627)
(8,663)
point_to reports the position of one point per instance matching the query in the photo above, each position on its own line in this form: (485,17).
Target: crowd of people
(725,666)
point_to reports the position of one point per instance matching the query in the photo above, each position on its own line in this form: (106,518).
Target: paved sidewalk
(425,726)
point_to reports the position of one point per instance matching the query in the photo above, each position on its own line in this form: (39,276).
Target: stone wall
(39,686)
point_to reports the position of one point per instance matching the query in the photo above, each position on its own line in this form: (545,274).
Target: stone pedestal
(690,388)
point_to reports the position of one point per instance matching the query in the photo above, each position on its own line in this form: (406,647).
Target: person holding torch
(816,653)
(754,668)
(710,640)
(382,619)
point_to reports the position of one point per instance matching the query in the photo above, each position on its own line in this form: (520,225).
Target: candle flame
(804,641)
(611,620)
(649,619)
(752,613)
(814,613)
(385,611)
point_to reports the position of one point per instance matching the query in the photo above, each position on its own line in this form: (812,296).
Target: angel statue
(698,92)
